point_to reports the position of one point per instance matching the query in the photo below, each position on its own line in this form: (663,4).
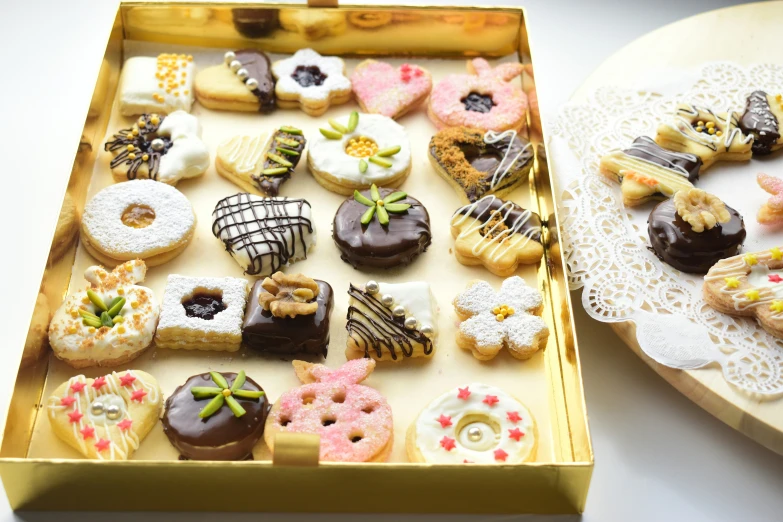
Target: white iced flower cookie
(108,323)
(311,82)
(492,320)
(478,424)
(105,418)
(163,148)
(163,84)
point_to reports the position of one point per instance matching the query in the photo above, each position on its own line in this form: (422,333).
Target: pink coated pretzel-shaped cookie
(353,421)
(450,105)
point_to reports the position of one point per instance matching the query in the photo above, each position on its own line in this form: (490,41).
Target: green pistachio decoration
(223,394)
(105,315)
(379,206)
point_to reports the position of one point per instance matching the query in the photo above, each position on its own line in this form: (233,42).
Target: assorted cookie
(771,212)
(381,88)
(311,82)
(761,120)
(156,85)
(243,82)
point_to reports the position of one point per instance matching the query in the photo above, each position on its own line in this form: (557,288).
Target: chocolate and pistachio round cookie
(381,228)
(216,416)
(694,230)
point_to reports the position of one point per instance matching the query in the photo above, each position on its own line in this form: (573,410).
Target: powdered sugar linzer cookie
(311,82)
(380,88)
(140,219)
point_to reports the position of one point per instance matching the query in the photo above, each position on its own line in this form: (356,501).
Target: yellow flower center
(502,311)
(226,392)
(361,147)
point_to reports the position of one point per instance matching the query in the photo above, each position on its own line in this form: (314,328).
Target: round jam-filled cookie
(216,416)
(140,219)
(484,98)
(380,88)
(163,148)
(694,230)
(353,421)
(105,418)
(243,82)
(109,323)
(477,163)
(357,151)
(311,82)
(477,424)
(381,228)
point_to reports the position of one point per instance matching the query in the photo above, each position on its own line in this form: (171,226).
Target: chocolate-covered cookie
(216,416)
(762,119)
(694,230)
(381,228)
(243,82)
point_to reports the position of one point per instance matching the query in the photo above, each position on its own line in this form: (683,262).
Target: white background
(658,456)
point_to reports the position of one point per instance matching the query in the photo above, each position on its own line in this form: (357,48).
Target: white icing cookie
(311,82)
(163,84)
(477,423)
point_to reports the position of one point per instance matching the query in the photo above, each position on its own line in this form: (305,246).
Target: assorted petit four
(156,85)
(243,82)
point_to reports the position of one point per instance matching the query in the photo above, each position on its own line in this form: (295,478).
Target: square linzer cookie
(202,313)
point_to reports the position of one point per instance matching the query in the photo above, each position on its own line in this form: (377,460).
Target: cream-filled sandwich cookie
(311,82)
(243,82)
(163,84)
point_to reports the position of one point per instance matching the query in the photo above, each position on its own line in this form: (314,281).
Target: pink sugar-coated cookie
(509,110)
(383,89)
(353,421)
(771,212)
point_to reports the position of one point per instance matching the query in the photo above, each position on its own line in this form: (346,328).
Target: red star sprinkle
(97,383)
(87,432)
(490,399)
(102,445)
(500,455)
(445,421)
(127,379)
(513,416)
(447,443)
(75,416)
(67,401)
(418,72)
(124,424)
(76,387)
(463,393)
(138,395)
(774,278)
(516,434)
(405,67)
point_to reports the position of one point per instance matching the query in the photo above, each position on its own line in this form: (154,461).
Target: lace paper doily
(606,244)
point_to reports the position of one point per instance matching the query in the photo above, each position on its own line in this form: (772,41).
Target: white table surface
(658,456)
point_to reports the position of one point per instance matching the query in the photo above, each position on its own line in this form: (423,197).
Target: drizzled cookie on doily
(761,120)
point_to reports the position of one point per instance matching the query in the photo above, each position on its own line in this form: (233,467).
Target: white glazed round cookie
(140,219)
(330,162)
(477,423)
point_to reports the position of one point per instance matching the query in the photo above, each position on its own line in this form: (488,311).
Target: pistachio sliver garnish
(247,394)
(117,319)
(395,196)
(116,307)
(276,171)
(383,216)
(367,216)
(114,302)
(396,207)
(212,406)
(353,121)
(389,151)
(87,315)
(95,323)
(380,161)
(205,391)
(342,129)
(238,381)
(235,407)
(363,166)
(96,300)
(286,141)
(277,159)
(358,196)
(291,130)
(219,379)
(374,194)
(287,152)
(106,320)
(331,134)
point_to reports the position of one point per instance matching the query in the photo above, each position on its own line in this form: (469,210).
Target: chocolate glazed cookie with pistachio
(243,82)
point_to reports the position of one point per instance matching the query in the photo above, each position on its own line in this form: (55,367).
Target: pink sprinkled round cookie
(353,421)
(380,88)
(484,98)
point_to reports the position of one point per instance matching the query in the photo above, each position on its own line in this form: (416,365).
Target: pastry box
(40,472)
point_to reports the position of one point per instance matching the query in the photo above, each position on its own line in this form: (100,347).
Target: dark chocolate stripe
(257,65)
(141,145)
(682,163)
(759,121)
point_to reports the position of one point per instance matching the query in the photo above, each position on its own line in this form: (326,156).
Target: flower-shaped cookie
(311,82)
(492,320)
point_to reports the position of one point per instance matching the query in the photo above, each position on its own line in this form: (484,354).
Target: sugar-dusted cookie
(216,416)
(391,322)
(109,323)
(761,120)
(264,234)
(157,85)
(474,424)
(693,230)
(484,98)
(163,148)
(108,417)
(353,421)
(646,171)
(711,136)
(381,88)
(313,24)
(771,212)
(360,150)
(243,82)
(508,318)
(311,82)
(477,163)
(498,234)
(261,164)
(140,219)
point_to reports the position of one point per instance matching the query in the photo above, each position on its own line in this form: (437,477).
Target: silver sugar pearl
(474,434)
(251,84)
(235,65)
(427,330)
(113,412)
(243,74)
(387,300)
(372,287)
(398,311)
(410,323)
(229,57)
(97,408)
(157,145)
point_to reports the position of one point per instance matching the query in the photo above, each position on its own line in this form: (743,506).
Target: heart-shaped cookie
(381,88)
(243,82)
(106,418)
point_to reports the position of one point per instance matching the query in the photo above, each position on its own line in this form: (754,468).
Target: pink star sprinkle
(75,416)
(774,278)
(124,424)
(87,432)
(516,434)
(76,387)
(447,443)
(102,445)
(466,461)
(463,393)
(490,400)
(138,395)
(513,416)
(127,379)
(67,401)
(500,455)
(100,381)
(445,421)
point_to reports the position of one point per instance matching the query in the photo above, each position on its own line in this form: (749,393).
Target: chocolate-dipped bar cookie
(762,119)
(216,416)
(243,82)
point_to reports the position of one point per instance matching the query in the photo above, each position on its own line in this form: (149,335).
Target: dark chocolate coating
(258,67)
(222,435)
(302,334)
(270,185)
(645,148)
(255,23)
(514,218)
(381,246)
(759,121)
(675,243)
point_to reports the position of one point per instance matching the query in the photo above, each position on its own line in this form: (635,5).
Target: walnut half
(700,209)
(289,295)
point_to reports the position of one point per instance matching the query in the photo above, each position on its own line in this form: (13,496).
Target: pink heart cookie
(382,89)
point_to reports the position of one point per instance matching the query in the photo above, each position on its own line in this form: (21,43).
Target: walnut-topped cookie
(289,295)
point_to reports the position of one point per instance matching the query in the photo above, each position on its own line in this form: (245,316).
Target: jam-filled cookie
(109,323)
(771,212)
(357,151)
(243,82)
(381,228)
(381,88)
(475,424)
(216,416)
(287,314)
(261,164)
(391,322)
(484,98)
(159,147)
(157,85)
(761,120)
(140,219)
(105,418)
(264,234)
(693,230)
(311,82)
(353,421)
(477,163)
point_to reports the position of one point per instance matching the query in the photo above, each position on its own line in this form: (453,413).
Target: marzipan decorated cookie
(243,82)
(761,120)
(311,82)
(381,88)
(157,85)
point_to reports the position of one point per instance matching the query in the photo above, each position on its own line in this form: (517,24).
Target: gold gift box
(294,481)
